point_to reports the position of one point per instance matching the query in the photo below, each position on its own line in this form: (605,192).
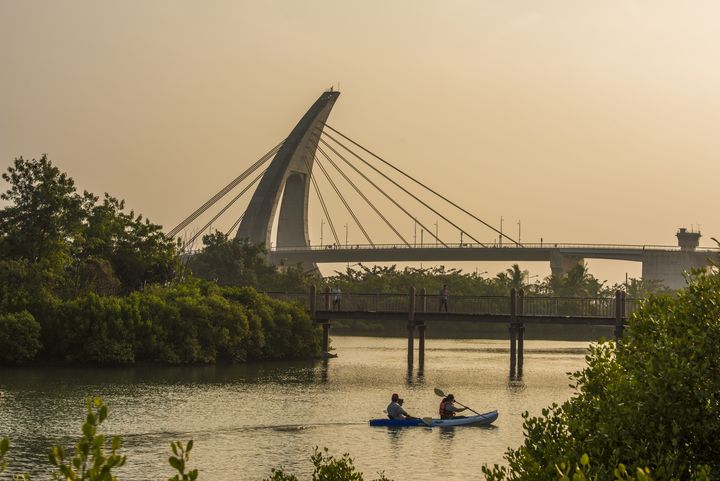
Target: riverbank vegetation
(83,280)
(651,400)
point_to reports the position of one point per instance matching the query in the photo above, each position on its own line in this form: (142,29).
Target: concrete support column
(421,345)
(520,332)
(411,326)
(619,314)
(313,301)
(326,336)
(513,332)
(561,264)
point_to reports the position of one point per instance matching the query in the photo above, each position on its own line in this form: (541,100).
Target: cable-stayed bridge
(317,155)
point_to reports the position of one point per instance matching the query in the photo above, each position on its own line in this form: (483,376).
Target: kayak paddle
(427,422)
(440,393)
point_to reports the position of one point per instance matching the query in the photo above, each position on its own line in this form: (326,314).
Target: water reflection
(250,418)
(515,385)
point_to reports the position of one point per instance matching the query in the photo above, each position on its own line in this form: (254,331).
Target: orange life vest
(444,412)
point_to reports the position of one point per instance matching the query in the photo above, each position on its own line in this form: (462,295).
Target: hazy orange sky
(591,122)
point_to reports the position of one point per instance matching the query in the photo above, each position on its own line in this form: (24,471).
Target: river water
(244,420)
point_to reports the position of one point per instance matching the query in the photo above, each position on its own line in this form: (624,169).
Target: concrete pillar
(326,336)
(520,332)
(421,345)
(619,314)
(313,301)
(327,298)
(513,332)
(421,307)
(669,267)
(411,326)
(561,264)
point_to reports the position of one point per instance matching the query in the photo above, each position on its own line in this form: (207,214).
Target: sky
(587,122)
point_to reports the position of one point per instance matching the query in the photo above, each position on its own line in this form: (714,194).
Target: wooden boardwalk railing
(417,308)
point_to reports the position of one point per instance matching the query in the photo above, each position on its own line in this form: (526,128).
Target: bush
(19,338)
(650,401)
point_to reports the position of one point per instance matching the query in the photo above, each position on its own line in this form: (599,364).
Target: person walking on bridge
(443,298)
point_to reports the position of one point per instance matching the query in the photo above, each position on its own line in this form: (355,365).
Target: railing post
(513,332)
(421,330)
(411,325)
(326,336)
(619,314)
(313,301)
(520,331)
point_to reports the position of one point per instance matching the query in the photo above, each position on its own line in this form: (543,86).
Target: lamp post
(436,233)
(501,234)
(518,231)
(346,235)
(322,224)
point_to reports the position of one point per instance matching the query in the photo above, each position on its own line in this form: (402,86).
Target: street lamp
(518,231)
(346,235)
(501,234)
(436,233)
(322,224)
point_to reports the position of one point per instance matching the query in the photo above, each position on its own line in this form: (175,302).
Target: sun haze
(573,121)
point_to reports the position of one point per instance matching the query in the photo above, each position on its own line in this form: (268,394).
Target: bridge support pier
(513,332)
(326,336)
(619,314)
(561,264)
(517,333)
(411,327)
(520,332)
(422,307)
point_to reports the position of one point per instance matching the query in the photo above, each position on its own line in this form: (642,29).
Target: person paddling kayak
(447,407)
(395,409)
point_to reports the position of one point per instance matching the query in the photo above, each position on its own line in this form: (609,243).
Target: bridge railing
(468,304)
(491,244)
(368,302)
(494,305)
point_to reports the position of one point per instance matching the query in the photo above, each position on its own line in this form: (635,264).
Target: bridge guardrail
(479,305)
(491,245)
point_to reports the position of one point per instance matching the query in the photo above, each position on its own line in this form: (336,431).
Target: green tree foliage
(19,337)
(327,468)
(63,243)
(90,462)
(193,322)
(578,282)
(651,400)
(237,262)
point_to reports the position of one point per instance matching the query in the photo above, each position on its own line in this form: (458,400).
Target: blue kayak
(484,419)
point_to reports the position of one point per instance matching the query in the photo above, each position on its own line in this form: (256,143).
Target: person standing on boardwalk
(336,297)
(443,298)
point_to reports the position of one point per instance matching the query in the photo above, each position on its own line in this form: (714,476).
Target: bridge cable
(322,203)
(404,189)
(342,198)
(201,210)
(222,211)
(383,192)
(235,224)
(423,185)
(372,206)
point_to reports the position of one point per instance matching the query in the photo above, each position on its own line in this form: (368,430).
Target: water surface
(247,419)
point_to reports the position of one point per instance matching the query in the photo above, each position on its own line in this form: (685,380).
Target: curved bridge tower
(288,177)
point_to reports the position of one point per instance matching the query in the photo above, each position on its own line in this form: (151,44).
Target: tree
(238,262)
(651,400)
(45,212)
